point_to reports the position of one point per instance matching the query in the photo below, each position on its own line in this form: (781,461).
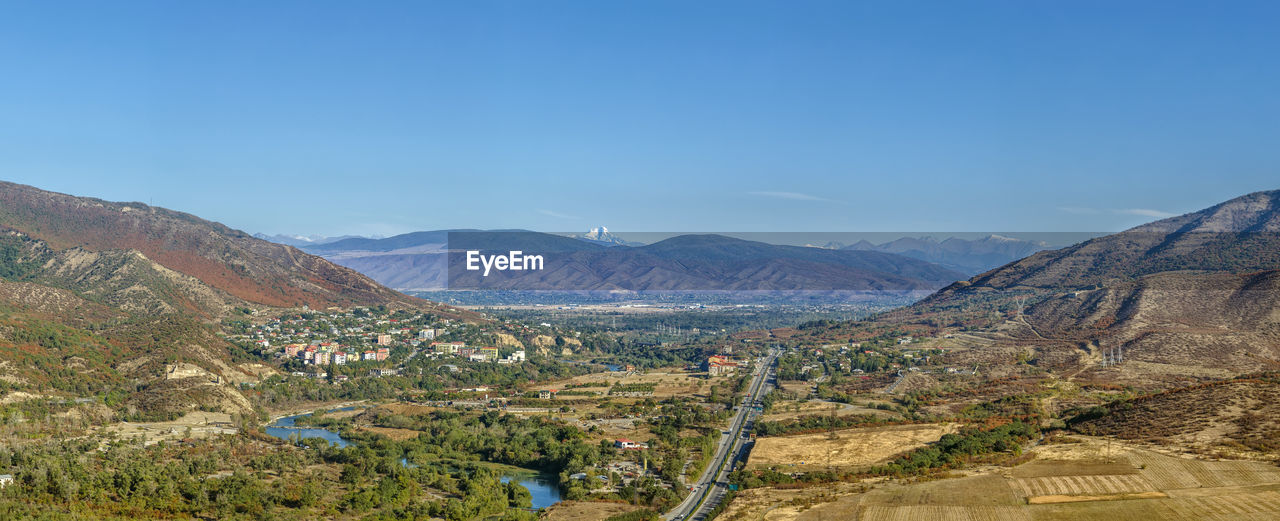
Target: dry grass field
(395,434)
(791,409)
(667,382)
(585,511)
(1090,480)
(846,448)
(196,424)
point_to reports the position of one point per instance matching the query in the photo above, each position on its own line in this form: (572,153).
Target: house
(369,355)
(625,444)
(490,353)
(6,480)
(384,340)
(547,394)
(717,365)
(427,334)
(381,354)
(383,372)
(476,357)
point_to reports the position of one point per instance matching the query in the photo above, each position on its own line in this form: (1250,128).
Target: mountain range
(422,261)
(301,240)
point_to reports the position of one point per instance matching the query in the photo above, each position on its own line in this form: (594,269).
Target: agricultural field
(1088,479)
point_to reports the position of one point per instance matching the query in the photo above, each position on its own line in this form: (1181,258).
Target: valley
(864,261)
(1027,392)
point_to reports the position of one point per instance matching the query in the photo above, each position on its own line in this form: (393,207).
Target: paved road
(712,486)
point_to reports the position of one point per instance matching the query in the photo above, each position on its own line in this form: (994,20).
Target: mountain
(970,256)
(120,299)
(302,240)
(1240,235)
(1182,299)
(602,236)
(212,267)
(421,261)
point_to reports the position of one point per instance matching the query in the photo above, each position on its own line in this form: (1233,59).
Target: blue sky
(382,117)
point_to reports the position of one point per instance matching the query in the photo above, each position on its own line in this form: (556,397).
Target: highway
(712,485)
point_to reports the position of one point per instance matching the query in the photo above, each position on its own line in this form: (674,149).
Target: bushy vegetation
(817,423)
(955,449)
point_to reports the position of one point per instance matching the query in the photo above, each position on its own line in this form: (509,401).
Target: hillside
(1180,300)
(1240,235)
(1236,415)
(233,266)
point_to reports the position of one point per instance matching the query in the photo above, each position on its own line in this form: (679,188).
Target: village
(311,342)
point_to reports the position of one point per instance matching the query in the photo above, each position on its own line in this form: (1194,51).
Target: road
(712,486)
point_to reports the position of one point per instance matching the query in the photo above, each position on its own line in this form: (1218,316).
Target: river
(542,487)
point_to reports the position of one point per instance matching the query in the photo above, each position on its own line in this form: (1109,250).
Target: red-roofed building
(717,365)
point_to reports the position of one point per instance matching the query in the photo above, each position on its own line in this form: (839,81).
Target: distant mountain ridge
(970,256)
(419,261)
(302,240)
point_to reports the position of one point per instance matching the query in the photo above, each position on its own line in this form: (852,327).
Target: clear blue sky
(381,117)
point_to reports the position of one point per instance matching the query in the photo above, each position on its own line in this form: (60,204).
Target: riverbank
(279,414)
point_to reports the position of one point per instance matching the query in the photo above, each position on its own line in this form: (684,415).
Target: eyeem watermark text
(514,260)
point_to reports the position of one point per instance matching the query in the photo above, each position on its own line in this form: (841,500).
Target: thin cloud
(792,196)
(555,214)
(1146,212)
